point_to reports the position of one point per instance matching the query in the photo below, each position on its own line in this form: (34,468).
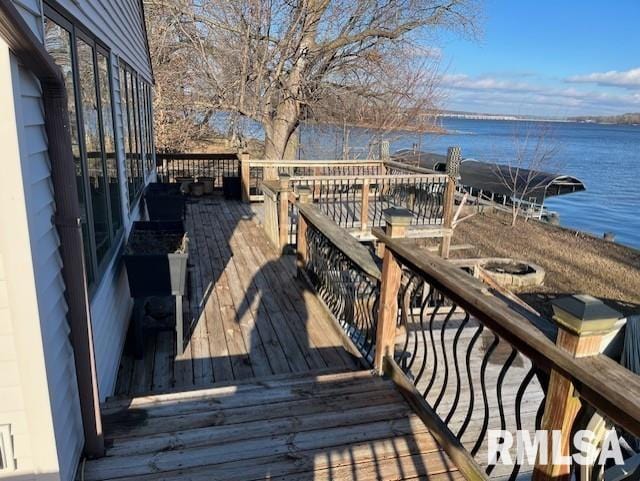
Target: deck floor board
(246,315)
(351,425)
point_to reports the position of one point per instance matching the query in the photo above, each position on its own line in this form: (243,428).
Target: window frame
(138,129)
(77,31)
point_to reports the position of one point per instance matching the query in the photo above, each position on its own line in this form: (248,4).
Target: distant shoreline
(631,120)
(434,129)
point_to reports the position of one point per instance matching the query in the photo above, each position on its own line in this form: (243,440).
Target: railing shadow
(273,315)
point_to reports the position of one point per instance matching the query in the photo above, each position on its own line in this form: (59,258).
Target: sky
(550,58)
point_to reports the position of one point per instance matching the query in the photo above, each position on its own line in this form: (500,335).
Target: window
(7,458)
(58,43)
(136,111)
(113,182)
(86,67)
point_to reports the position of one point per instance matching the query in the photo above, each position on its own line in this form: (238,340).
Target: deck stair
(315,426)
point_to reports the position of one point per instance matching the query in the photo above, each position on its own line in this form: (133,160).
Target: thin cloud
(509,96)
(629,79)
(464,82)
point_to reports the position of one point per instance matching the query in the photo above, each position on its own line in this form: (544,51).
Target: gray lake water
(605,157)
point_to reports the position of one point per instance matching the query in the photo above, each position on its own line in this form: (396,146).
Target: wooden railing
(358,202)
(344,274)
(464,359)
(254,171)
(399,168)
(171,167)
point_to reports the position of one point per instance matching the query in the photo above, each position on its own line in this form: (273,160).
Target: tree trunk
(515,210)
(291,150)
(278,130)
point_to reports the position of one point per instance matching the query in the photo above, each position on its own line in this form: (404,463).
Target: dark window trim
(135,85)
(58,14)
(62,17)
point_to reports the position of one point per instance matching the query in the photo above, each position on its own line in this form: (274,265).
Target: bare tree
(278,61)
(399,99)
(174,100)
(533,164)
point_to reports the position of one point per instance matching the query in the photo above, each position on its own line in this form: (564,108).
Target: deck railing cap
(398,216)
(582,314)
(341,240)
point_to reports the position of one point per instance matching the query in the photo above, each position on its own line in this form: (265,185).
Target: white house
(71,176)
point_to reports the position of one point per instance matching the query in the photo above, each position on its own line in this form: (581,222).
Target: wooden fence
(465,360)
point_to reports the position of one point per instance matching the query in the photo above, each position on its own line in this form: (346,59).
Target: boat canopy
(499,179)
(522,183)
(427,160)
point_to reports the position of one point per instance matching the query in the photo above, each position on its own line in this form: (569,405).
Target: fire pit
(513,273)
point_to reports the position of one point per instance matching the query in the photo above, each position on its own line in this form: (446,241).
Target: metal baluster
(485,399)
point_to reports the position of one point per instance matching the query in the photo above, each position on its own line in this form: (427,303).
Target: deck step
(346,425)
(117,403)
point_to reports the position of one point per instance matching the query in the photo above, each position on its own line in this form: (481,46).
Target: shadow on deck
(347,426)
(247,315)
(265,389)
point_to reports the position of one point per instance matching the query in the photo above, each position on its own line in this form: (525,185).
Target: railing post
(283,210)
(453,168)
(271,212)
(364,206)
(397,221)
(302,251)
(165,171)
(245,176)
(384,150)
(582,322)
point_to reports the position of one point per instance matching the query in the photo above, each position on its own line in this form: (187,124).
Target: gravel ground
(574,262)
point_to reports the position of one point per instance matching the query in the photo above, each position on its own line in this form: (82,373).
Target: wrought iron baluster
(518,403)
(456,365)
(467,419)
(445,381)
(485,399)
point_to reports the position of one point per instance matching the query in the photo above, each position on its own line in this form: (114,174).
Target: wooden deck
(247,315)
(347,426)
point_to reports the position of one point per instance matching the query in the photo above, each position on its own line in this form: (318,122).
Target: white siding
(47,266)
(12,408)
(45,416)
(36,396)
(110,312)
(118,24)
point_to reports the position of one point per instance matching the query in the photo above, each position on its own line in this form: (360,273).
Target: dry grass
(574,262)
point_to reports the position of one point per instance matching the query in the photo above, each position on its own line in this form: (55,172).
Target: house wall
(38,376)
(38,388)
(117,24)
(111,304)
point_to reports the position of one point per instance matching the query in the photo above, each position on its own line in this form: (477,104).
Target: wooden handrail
(600,381)
(196,156)
(342,240)
(410,168)
(310,163)
(361,178)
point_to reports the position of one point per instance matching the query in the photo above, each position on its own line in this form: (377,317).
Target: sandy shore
(574,262)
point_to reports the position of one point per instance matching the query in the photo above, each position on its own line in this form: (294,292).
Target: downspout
(25,45)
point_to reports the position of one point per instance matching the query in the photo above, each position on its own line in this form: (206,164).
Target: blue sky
(555,58)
